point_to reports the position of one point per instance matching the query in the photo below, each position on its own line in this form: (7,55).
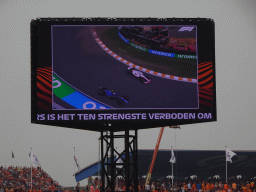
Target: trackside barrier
(154,51)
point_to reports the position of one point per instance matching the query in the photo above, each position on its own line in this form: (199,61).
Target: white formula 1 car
(138,74)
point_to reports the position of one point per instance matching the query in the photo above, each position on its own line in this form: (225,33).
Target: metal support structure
(112,168)
(136,170)
(102,164)
(129,163)
(126,165)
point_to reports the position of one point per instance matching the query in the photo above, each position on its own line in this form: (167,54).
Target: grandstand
(204,164)
(192,166)
(19,179)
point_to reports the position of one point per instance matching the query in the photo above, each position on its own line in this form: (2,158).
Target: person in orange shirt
(248,186)
(234,186)
(194,186)
(252,185)
(207,187)
(211,186)
(203,186)
(185,186)
(244,189)
(226,187)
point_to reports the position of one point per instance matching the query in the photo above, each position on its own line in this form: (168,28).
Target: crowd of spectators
(199,186)
(233,185)
(14,179)
(19,179)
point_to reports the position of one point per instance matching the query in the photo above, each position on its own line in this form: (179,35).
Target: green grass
(172,66)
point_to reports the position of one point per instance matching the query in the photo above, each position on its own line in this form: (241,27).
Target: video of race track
(124,67)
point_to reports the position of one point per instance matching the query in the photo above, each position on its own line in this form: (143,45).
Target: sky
(235,42)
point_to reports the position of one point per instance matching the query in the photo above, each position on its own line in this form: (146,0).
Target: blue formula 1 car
(121,100)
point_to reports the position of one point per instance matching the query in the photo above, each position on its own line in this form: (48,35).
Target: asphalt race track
(82,63)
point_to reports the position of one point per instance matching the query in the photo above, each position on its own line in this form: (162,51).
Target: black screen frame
(41,57)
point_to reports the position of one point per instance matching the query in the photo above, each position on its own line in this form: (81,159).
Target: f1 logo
(186,28)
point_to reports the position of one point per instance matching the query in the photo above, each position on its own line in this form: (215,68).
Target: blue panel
(91,170)
(87,172)
(161,53)
(125,40)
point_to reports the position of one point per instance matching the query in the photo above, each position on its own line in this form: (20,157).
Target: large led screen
(130,74)
(124,67)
